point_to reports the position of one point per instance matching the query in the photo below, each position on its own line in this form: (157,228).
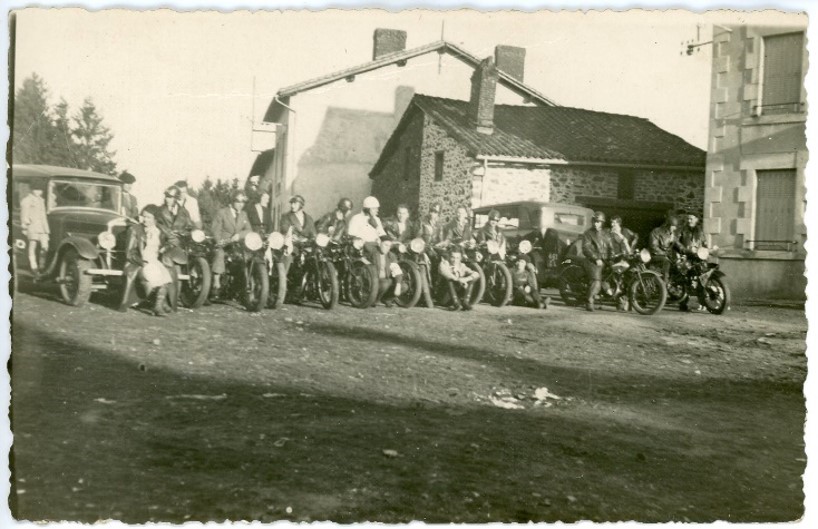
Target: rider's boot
(159,302)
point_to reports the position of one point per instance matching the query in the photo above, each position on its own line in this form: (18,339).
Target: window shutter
(775,209)
(781,91)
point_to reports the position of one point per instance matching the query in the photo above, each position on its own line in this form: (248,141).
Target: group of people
(600,244)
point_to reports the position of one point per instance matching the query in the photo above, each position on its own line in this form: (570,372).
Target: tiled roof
(563,133)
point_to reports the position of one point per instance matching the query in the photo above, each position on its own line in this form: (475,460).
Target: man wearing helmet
(230,224)
(334,223)
(491,232)
(173,219)
(664,240)
(296,226)
(367,225)
(596,247)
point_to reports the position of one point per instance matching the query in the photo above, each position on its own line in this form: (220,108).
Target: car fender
(84,248)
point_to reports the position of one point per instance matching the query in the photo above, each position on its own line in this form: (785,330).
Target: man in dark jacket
(230,224)
(400,228)
(596,248)
(664,240)
(173,219)
(258,213)
(458,231)
(334,223)
(296,226)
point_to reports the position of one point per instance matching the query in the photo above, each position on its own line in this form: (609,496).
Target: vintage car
(87,237)
(550,227)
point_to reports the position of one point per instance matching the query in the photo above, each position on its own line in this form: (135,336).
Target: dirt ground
(395,415)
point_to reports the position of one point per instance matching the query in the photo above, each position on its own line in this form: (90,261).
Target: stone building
(476,153)
(757,154)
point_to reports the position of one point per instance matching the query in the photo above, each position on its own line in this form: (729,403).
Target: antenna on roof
(440,55)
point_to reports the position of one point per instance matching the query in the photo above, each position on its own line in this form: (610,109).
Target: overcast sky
(176,89)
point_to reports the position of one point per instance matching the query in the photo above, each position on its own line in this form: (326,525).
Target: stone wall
(568,182)
(396,182)
(512,183)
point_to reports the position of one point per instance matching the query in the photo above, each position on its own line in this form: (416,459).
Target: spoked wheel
(498,284)
(716,295)
(327,285)
(278,286)
(75,283)
(362,286)
(411,285)
(479,286)
(194,291)
(648,293)
(573,285)
(257,287)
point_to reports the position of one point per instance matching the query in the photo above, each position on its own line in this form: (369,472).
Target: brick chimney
(483,89)
(403,96)
(510,60)
(386,41)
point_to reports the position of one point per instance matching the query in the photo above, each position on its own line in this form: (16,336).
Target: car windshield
(84,194)
(568,219)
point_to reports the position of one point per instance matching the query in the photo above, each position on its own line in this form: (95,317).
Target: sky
(180,91)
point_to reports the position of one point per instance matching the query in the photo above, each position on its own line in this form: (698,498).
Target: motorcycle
(412,262)
(193,271)
(692,274)
(312,274)
(498,285)
(358,277)
(246,278)
(273,259)
(625,275)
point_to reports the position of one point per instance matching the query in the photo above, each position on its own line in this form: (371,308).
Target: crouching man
(526,290)
(389,273)
(459,279)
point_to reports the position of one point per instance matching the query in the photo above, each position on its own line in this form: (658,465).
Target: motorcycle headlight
(275,240)
(644,255)
(524,247)
(357,243)
(401,247)
(417,245)
(106,240)
(703,253)
(492,247)
(197,235)
(252,241)
(322,239)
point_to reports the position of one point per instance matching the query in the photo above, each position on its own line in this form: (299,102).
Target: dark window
(781,85)
(625,186)
(439,166)
(775,209)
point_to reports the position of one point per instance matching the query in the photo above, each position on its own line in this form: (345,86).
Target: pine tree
(91,140)
(34,131)
(64,146)
(214,195)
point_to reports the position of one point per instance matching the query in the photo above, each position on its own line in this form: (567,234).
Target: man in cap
(189,202)
(526,290)
(296,226)
(230,224)
(663,241)
(459,279)
(334,223)
(366,224)
(129,206)
(596,248)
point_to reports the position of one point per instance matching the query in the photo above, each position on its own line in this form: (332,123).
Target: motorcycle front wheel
(573,285)
(479,286)
(194,291)
(326,284)
(411,285)
(278,286)
(257,287)
(648,293)
(362,285)
(498,284)
(716,295)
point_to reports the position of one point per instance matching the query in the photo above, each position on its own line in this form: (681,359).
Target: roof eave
(558,161)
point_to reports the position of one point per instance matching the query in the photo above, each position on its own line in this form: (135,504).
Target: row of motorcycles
(326,271)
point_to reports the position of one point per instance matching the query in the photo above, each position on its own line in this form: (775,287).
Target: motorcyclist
(664,240)
(491,232)
(596,248)
(526,290)
(296,226)
(458,231)
(400,228)
(691,238)
(334,223)
(623,240)
(459,279)
(173,219)
(230,224)
(366,224)
(431,227)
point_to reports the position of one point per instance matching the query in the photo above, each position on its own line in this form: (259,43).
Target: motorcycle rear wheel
(498,284)
(573,285)
(716,295)
(648,293)
(362,285)
(327,285)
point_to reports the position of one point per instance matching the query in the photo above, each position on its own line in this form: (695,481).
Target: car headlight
(492,247)
(417,245)
(275,240)
(322,239)
(357,243)
(106,240)
(197,235)
(252,241)
(524,247)
(644,255)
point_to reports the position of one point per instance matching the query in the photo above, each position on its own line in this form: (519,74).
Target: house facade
(755,194)
(475,153)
